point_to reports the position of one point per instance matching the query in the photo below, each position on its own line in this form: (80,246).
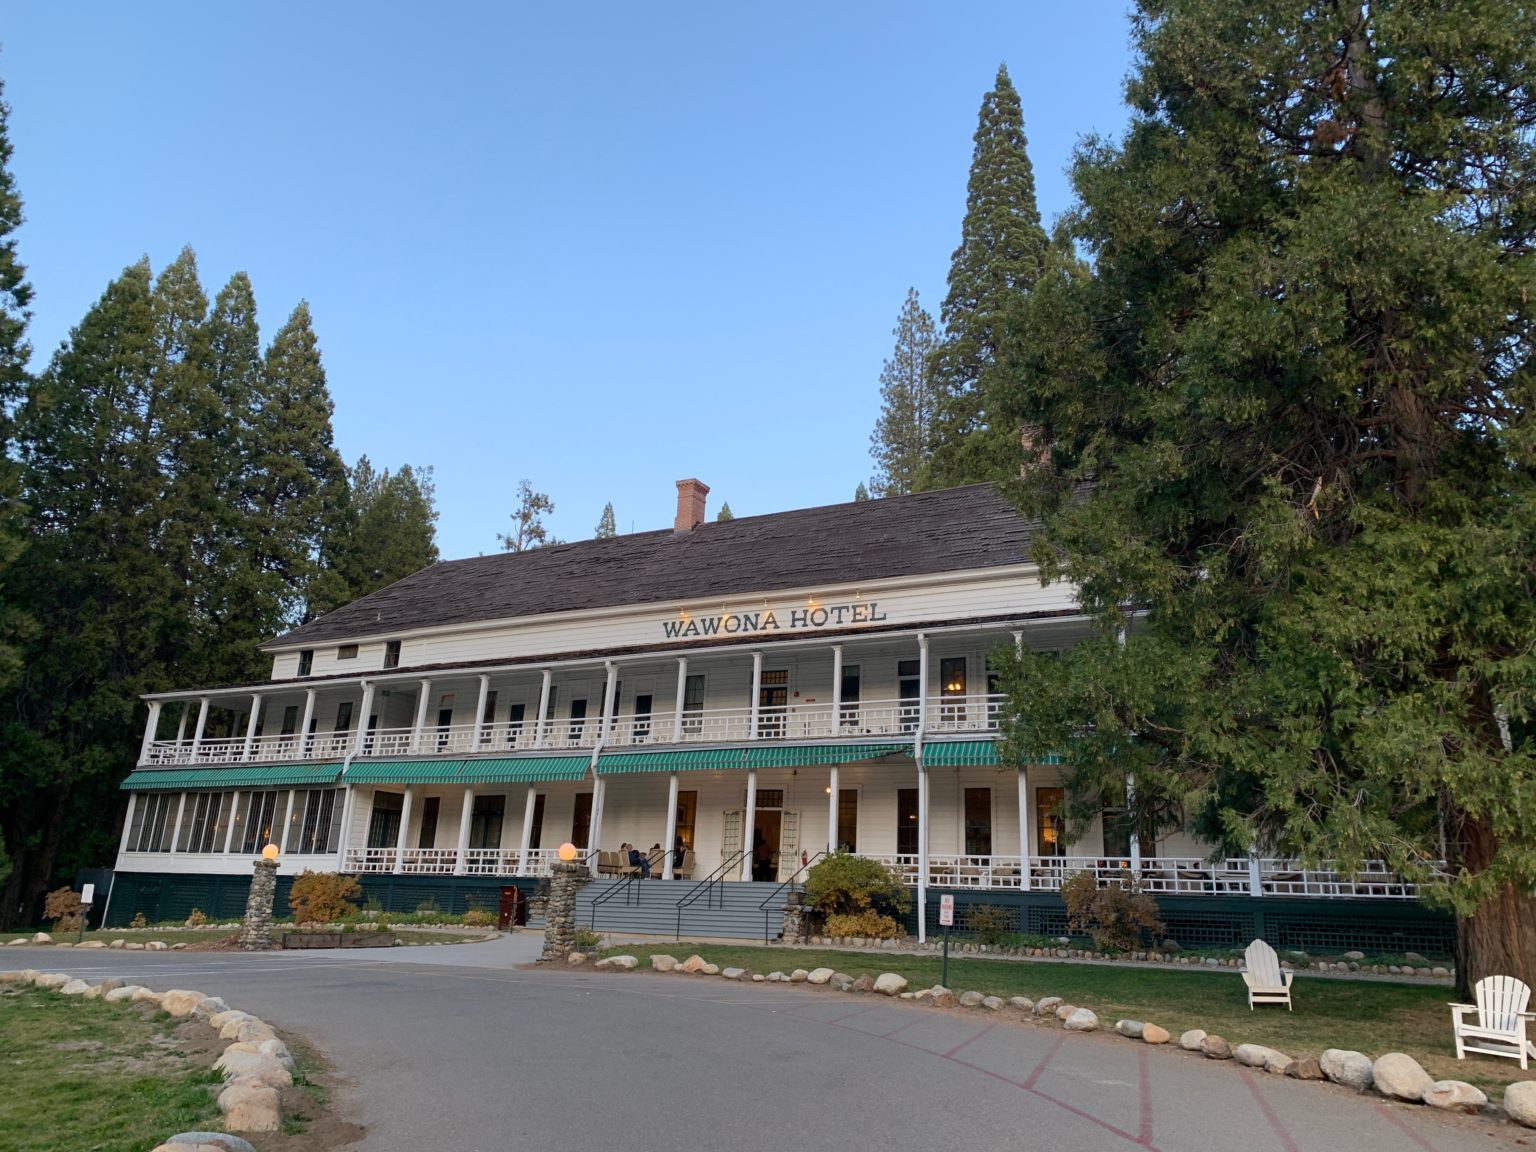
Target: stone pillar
(566,879)
(256,932)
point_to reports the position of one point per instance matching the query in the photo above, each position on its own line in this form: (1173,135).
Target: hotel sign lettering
(807,619)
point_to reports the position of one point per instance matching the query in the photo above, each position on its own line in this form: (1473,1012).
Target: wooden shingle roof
(923,534)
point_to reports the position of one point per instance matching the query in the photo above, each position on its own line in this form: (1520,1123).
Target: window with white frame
(202,824)
(152,818)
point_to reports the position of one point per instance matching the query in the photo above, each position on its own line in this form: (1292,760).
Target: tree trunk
(1499,937)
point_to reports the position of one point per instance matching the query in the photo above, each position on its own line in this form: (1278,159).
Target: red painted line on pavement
(1029,1081)
(1407,1131)
(903,1028)
(1144,1079)
(1269,1113)
(950,1055)
(1092,1119)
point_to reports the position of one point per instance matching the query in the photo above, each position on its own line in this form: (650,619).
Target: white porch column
(1024,852)
(682,687)
(610,688)
(599,796)
(250,728)
(362,719)
(202,722)
(181,807)
(543,721)
(524,846)
(229,832)
(746,826)
(151,728)
(309,717)
(423,698)
(405,829)
(757,692)
(181,725)
(465,815)
(1130,814)
(122,844)
(282,841)
(1255,873)
(832,803)
(344,840)
(922,853)
(671,839)
(837,709)
(479,736)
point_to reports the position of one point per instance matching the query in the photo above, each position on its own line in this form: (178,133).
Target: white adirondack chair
(1267,984)
(1501,1019)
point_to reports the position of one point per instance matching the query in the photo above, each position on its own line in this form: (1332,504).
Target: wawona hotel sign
(806,619)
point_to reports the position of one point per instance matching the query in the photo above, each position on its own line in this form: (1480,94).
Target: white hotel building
(817,678)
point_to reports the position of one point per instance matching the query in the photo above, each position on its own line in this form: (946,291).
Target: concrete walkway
(458,1048)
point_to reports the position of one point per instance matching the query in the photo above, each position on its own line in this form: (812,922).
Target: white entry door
(730,833)
(789,844)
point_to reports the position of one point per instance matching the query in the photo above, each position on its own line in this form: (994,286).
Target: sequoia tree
(1292,451)
(386,532)
(15,296)
(1001,253)
(606,527)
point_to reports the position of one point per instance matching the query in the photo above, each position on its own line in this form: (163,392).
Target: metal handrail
(625,885)
(707,886)
(763,907)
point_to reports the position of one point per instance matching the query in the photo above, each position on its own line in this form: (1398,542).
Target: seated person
(637,859)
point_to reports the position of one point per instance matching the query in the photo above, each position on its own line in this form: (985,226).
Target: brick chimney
(690,505)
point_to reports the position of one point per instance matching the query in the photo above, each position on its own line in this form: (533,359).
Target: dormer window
(306,661)
(392,654)
(346,652)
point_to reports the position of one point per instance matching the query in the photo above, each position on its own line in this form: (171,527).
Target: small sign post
(87,896)
(946,920)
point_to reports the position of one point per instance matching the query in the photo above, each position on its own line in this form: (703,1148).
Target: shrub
(427,907)
(846,885)
(475,918)
(989,924)
(869,924)
(1116,916)
(587,940)
(63,908)
(197,919)
(317,897)
(138,921)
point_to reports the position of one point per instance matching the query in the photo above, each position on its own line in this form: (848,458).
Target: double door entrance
(773,852)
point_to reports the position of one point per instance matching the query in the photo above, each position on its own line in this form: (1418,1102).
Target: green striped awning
(405,772)
(727,759)
(962,753)
(242,776)
(525,769)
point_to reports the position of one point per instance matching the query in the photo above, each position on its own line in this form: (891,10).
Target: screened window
(514,724)
(260,817)
(850,693)
(642,718)
(306,661)
(430,807)
(344,716)
(578,719)
(693,703)
(978,821)
(152,817)
(290,720)
(772,704)
(202,825)
(909,687)
(317,812)
(768,798)
(384,819)
(392,654)
(952,689)
(485,821)
(346,652)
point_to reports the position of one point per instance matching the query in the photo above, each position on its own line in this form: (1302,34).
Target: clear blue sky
(600,246)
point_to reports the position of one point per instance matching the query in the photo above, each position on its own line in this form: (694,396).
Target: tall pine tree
(605,524)
(1293,431)
(15,352)
(387,532)
(1001,255)
(899,443)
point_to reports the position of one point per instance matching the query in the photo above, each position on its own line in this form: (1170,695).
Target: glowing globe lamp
(567,851)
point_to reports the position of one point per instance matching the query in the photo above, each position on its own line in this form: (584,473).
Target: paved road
(459,1048)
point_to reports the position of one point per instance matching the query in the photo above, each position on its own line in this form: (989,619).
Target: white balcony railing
(814,721)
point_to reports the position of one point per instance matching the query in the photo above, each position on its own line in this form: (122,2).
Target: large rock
(219,1019)
(1154,1034)
(820,975)
(1047,1005)
(971,999)
(276,1049)
(862,984)
(732,973)
(118,944)
(1254,1055)
(621,963)
(1399,1076)
(208,1142)
(661,962)
(254,1030)
(97,991)
(1082,1020)
(1520,1102)
(890,984)
(773,977)
(942,997)
(250,1106)
(799,976)
(1455,1095)
(1065,1010)
(147,996)
(710,969)
(94,944)
(156,946)
(575,959)
(1021,1003)
(1191,1040)
(75,988)
(180,1002)
(209,1007)
(1216,1048)
(1131,1028)
(240,1063)
(122,995)
(52,980)
(693,965)
(1307,1069)
(1351,1069)
(992,1003)
(41,938)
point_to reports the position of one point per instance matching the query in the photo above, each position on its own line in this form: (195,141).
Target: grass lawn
(212,936)
(86,1076)
(1370,1016)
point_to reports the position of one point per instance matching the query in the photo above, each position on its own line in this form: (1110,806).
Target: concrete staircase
(650,908)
